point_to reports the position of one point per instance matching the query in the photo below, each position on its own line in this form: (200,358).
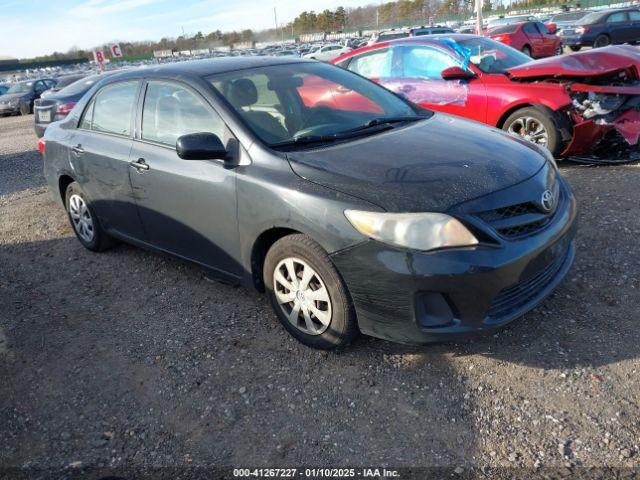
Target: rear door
(99,153)
(550,42)
(187,207)
(536,40)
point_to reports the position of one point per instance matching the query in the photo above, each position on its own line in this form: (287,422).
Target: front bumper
(449,295)
(9,109)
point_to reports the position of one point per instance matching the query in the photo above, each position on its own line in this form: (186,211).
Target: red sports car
(531,38)
(570,104)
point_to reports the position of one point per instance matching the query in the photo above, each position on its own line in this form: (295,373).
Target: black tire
(601,41)
(526,50)
(575,48)
(559,50)
(342,327)
(100,240)
(544,117)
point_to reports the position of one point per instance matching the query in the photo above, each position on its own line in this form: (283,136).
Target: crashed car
(570,104)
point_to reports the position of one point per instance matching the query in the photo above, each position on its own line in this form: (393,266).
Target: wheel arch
(63,182)
(259,250)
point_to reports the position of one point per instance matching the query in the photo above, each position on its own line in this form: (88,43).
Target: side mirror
(457,73)
(200,146)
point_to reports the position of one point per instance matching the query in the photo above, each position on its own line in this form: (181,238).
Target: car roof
(205,67)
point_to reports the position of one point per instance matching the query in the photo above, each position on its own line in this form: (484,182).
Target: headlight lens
(418,231)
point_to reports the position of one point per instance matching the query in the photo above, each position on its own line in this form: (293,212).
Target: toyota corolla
(377,217)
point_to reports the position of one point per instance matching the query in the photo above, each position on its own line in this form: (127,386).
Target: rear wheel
(84,220)
(575,48)
(307,293)
(526,50)
(601,41)
(559,50)
(535,125)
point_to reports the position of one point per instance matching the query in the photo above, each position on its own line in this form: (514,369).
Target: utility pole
(479,17)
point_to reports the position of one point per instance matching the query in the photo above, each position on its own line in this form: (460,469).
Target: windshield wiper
(380,124)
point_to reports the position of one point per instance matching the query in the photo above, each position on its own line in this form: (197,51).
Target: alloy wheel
(302,296)
(530,129)
(81,217)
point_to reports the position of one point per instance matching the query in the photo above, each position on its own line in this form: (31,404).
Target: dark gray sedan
(355,210)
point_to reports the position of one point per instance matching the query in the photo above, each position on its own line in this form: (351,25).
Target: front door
(187,207)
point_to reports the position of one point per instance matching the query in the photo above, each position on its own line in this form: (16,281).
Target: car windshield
(80,86)
(568,17)
(590,18)
(488,55)
(506,20)
(22,87)
(300,102)
(505,29)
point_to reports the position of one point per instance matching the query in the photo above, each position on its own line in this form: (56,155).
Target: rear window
(593,17)
(568,17)
(506,29)
(392,36)
(111,109)
(81,86)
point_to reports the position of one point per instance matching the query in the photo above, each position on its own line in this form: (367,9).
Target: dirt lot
(130,358)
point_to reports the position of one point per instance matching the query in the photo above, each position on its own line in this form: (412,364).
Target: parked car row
(20,96)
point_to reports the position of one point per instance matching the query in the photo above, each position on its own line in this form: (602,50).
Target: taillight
(65,108)
(41,144)
(581,30)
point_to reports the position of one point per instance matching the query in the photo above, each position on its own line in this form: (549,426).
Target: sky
(37,27)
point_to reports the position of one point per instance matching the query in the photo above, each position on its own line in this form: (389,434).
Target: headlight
(418,231)
(13,102)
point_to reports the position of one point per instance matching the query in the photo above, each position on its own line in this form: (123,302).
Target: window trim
(131,120)
(140,110)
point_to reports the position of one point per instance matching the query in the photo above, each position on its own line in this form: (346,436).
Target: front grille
(512,298)
(522,219)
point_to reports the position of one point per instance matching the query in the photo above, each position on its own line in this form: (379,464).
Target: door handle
(139,164)
(77,149)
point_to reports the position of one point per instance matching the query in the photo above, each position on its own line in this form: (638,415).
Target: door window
(634,16)
(376,64)
(425,62)
(530,29)
(171,111)
(617,17)
(111,109)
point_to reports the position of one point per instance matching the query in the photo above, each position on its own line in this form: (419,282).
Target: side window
(171,111)
(113,107)
(425,62)
(87,116)
(617,17)
(634,16)
(542,28)
(529,28)
(39,86)
(376,64)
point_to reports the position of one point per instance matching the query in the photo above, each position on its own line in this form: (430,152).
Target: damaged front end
(604,89)
(606,119)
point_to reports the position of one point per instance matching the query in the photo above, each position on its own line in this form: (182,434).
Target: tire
(526,50)
(559,50)
(601,41)
(98,241)
(542,117)
(335,325)
(575,48)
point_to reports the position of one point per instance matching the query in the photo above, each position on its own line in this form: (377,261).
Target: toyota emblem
(547,201)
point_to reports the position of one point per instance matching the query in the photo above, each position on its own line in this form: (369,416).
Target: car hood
(430,165)
(602,61)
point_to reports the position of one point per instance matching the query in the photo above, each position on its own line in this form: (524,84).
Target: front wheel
(84,220)
(536,126)
(307,293)
(559,50)
(526,50)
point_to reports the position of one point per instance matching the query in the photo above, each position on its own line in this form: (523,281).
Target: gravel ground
(134,359)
